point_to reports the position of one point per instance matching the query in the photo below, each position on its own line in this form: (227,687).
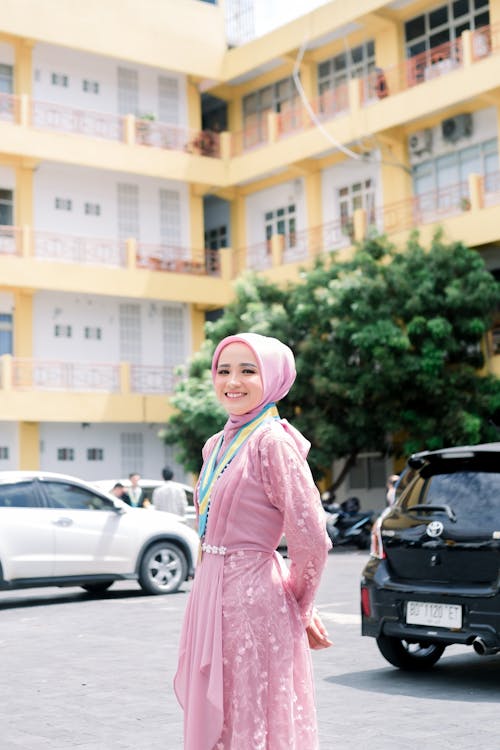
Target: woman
(244,677)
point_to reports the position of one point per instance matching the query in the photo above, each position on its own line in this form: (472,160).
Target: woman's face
(238,384)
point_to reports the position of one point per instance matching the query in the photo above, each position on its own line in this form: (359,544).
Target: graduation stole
(211,470)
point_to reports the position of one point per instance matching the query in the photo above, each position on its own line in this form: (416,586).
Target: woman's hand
(316,633)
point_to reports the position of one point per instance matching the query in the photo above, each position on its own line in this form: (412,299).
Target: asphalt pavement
(88,673)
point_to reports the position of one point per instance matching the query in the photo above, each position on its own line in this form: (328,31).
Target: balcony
(50,260)
(99,391)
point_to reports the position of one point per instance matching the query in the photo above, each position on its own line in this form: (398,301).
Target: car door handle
(64,521)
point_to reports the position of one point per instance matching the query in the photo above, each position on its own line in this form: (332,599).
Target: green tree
(387,346)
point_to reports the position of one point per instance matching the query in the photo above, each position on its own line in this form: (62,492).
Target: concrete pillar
(29,446)
(476,192)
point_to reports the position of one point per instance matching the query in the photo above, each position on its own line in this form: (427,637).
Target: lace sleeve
(289,485)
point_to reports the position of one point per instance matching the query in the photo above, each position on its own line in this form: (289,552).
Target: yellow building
(144,163)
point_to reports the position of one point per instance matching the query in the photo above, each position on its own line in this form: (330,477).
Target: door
(27,536)
(91,538)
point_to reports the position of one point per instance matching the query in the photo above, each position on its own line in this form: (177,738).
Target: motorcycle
(348,524)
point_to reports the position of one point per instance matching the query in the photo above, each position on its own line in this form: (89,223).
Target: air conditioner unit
(455,128)
(420,142)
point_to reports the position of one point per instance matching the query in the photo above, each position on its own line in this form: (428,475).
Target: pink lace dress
(244,677)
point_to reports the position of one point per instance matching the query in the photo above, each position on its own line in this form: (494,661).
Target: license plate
(435,614)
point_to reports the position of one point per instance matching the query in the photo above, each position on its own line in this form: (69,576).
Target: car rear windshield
(469,493)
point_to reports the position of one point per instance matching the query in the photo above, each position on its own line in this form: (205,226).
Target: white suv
(56,530)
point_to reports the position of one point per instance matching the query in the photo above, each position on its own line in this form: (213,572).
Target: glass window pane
(470,162)
(416,49)
(21,495)
(442,37)
(266,98)
(324,69)
(339,62)
(423,178)
(438,17)
(447,170)
(482,20)
(415,28)
(480,3)
(281,227)
(357,54)
(370,48)
(460,8)
(250,104)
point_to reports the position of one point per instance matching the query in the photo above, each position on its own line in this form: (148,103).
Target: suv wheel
(163,568)
(413,657)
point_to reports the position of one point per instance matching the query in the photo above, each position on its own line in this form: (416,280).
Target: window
(170,218)
(174,336)
(65,454)
(59,79)
(444,24)
(6,208)
(130,333)
(6,79)
(128,210)
(4,452)
(367,473)
(278,97)
(281,221)
(63,332)
(92,332)
(356,62)
(6,333)
(95,454)
(168,100)
(90,87)
(128,91)
(454,168)
(19,495)
(72,497)
(352,197)
(92,209)
(216,238)
(132,453)
(63,204)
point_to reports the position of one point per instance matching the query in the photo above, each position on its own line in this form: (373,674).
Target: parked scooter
(348,524)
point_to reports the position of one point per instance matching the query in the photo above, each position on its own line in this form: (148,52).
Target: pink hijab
(276,365)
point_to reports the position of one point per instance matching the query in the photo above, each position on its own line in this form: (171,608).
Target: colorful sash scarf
(212,470)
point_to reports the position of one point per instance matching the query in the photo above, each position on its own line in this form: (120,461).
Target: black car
(433,577)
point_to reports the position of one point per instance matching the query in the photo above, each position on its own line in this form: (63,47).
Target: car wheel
(413,657)
(97,588)
(163,568)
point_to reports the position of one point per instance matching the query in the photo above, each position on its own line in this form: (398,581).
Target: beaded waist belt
(213,550)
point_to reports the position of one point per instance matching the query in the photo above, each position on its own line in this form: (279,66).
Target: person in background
(170,497)
(390,486)
(135,494)
(245,677)
(118,490)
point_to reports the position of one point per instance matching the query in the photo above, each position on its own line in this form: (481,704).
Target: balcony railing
(91,251)
(111,252)
(24,374)
(10,240)
(171,137)
(52,116)
(9,107)
(426,208)
(45,375)
(178,259)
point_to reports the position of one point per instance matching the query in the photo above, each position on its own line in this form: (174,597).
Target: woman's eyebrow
(241,364)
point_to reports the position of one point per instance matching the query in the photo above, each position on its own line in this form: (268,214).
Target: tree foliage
(387,347)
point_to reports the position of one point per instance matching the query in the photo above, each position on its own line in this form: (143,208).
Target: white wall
(6,54)
(347,173)
(80,310)
(6,302)
(106,436)
(7,178)
(484,127)
(83,185)
(270,199)
(78,66)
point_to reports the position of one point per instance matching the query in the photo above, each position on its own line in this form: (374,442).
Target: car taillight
(366,607)
(376,546)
